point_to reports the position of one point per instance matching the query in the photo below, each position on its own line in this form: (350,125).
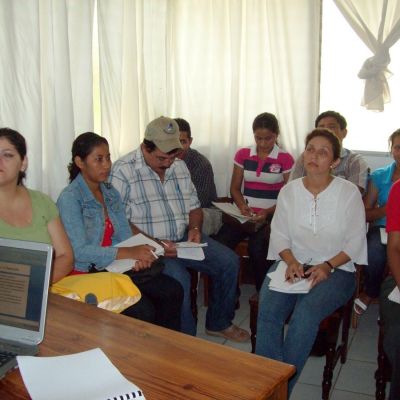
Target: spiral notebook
(89,375)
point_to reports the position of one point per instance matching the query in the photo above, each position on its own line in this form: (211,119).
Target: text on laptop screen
(21,286)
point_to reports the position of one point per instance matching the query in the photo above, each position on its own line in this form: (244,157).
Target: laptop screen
(22,281)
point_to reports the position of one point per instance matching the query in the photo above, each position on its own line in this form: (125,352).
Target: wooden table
(166,365)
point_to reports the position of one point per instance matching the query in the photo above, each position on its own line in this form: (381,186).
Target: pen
(165,244)
(154,254)
(252,213)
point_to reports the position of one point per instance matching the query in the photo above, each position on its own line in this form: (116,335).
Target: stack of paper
(279,283)
(232,210)
(190,250)
(187,250)
(89,375)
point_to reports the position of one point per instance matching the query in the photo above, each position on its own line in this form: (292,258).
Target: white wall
(375,159)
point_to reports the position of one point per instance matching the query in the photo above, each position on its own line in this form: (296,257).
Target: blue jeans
(308,310)
(221,264)
(376,262)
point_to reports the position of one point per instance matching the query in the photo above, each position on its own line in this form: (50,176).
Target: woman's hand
(246,210)
(294,271)
(260,216)
(318,273)
(144,254)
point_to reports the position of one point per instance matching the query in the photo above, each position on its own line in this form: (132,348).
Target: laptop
(24,283)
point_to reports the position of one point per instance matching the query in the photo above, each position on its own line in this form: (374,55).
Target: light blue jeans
(221,264)
(308,311)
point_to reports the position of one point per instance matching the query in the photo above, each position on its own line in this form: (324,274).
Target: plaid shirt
(160,209)
(352,167)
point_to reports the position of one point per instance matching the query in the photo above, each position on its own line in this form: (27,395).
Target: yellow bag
(114,292)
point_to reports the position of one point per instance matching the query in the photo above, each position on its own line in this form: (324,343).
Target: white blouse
(318,228)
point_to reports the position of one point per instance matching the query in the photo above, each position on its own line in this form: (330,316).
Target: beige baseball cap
(164,133)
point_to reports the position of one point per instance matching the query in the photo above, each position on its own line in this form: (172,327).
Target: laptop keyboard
(6,356)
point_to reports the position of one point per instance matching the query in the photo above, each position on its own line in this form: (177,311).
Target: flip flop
(362,307)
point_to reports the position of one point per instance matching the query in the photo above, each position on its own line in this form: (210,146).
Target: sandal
(233,333)
(359,306)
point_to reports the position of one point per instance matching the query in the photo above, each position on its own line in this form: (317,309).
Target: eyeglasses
(170,158)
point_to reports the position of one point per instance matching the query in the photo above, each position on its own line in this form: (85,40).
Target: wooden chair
(330,326)
(382,374)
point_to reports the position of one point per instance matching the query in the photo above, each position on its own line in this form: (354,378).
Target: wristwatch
(330,266)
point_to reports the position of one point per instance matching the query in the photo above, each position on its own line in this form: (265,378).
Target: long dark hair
(82,147)
(18,141)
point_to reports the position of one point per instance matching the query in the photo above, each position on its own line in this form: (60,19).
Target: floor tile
(364,347)
(342,395)
(357,376)
(313,371)
(367,322)
(303,391)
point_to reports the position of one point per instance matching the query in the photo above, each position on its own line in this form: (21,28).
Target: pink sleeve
(287,162)
(240,156)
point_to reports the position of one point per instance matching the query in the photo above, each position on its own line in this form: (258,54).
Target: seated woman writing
(379,185)
(94,218)
(27,214)
(319,220)
(262,170)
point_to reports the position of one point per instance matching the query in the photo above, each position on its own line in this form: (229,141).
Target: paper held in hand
(89,375)
(232,210)
(279,283)
(122,266)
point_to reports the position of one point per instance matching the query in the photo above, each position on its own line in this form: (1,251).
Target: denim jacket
(84,221)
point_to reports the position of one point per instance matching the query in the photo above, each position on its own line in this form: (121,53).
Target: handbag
(111,291)
(147,274)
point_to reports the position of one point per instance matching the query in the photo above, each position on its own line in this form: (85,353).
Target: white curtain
(377,23)
(216,63)
(46,81)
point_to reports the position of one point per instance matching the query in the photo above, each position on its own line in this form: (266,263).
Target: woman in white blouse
(319,220)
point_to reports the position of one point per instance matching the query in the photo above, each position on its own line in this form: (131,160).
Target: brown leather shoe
(233,333)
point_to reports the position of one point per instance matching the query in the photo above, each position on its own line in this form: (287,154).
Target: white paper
(190,253)
(232,210)
(124,265)
(394,295)
(384,235)
(89,375)
(279,283)
(190,244)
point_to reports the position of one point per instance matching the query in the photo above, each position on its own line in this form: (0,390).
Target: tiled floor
(353,380)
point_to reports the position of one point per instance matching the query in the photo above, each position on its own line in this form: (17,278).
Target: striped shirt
(263,179)
(160,209)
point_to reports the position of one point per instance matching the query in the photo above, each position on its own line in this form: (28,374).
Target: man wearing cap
(161,201)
